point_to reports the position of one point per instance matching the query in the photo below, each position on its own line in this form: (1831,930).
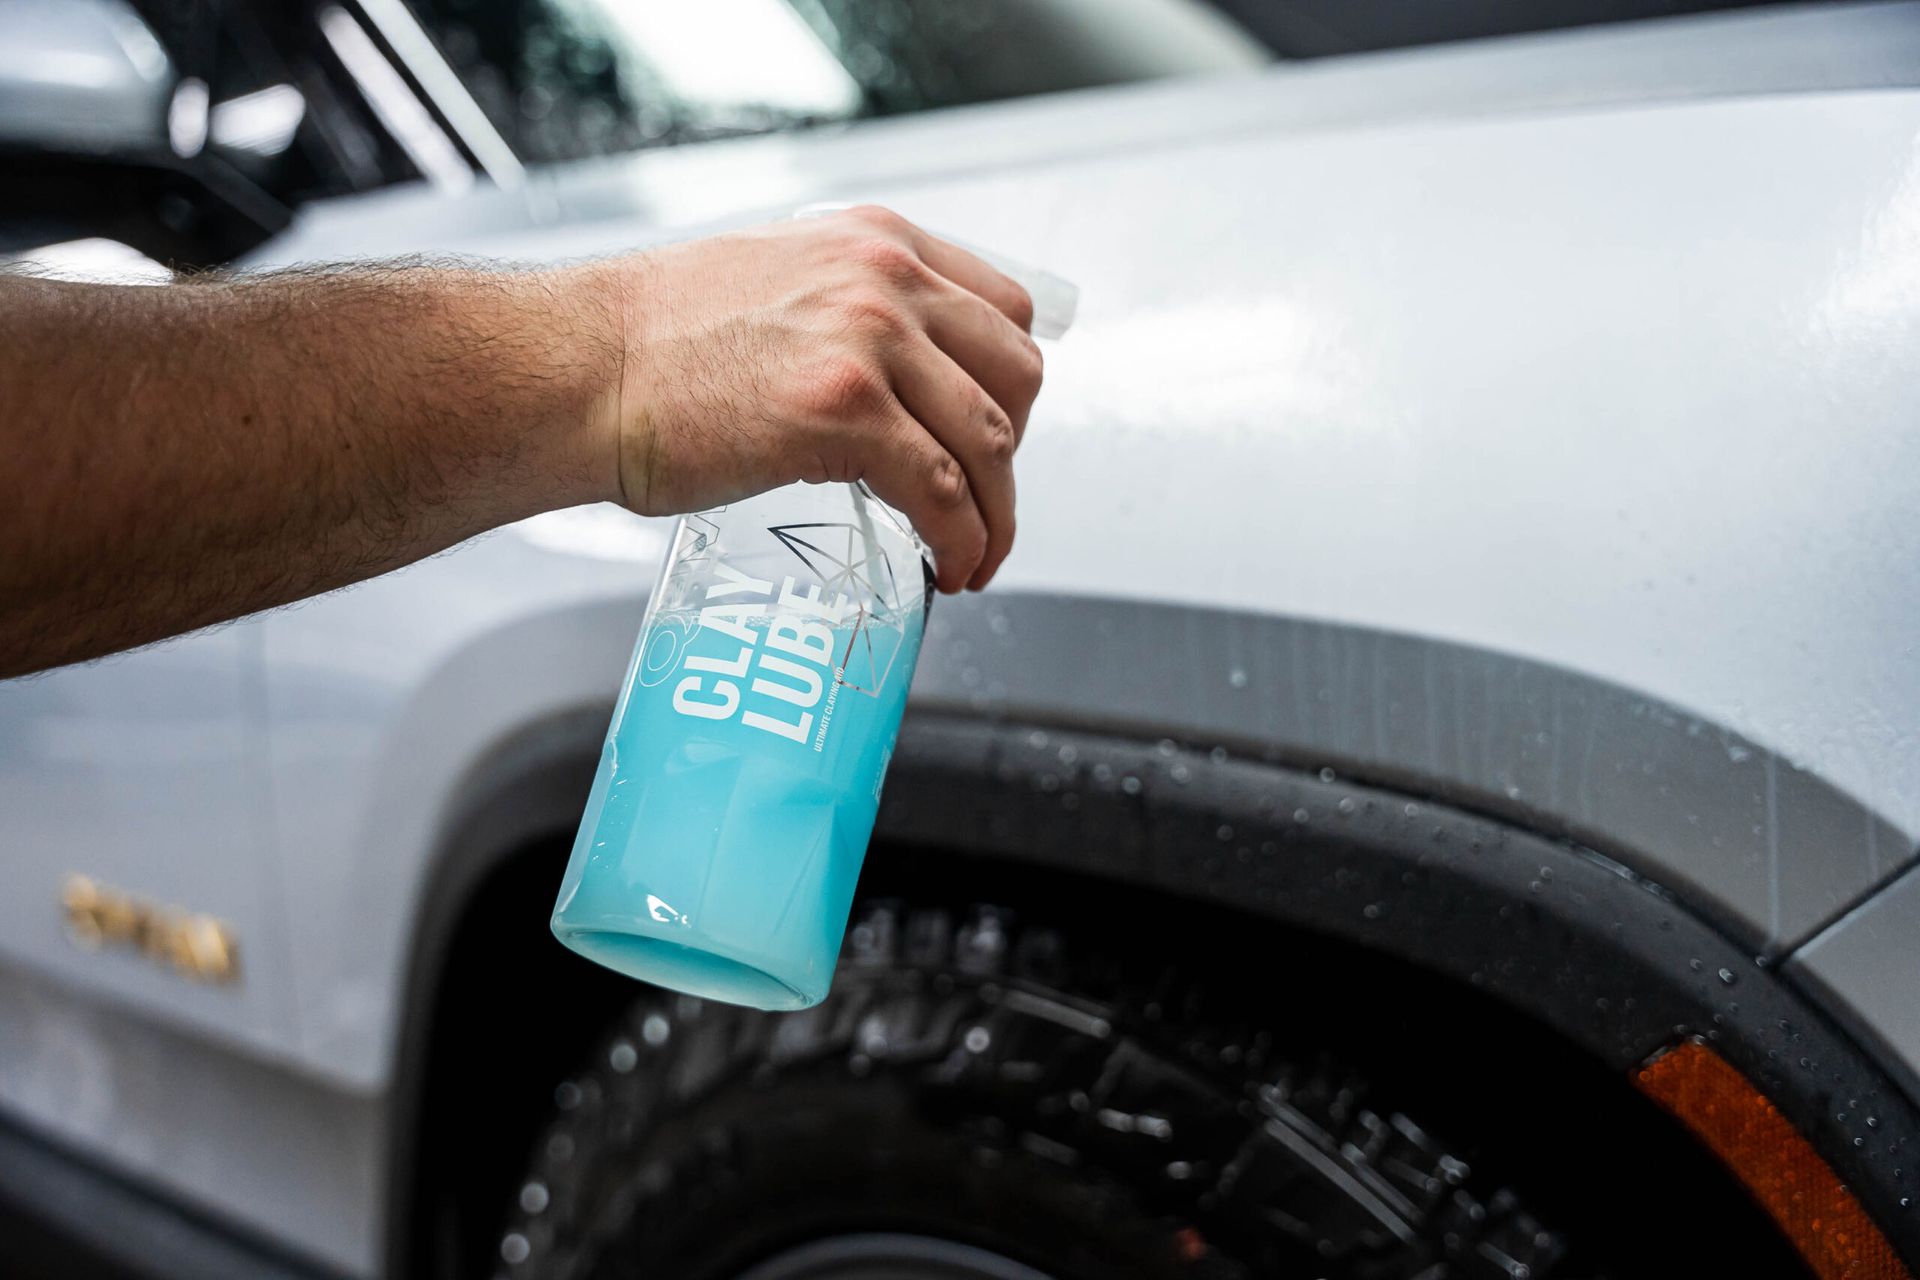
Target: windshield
(563,79)
(261,106)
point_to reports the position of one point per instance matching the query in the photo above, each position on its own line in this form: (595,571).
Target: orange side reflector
(1779,1167)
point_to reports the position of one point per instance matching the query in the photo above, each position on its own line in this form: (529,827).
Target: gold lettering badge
(195,946)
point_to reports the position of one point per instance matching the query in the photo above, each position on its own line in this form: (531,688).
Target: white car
(1434,793)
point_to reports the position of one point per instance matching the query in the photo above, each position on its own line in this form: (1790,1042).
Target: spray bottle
(741,774)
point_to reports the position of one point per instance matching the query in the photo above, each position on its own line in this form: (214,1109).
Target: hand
(849,347)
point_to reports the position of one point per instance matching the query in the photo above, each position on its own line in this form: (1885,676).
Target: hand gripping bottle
(741,774)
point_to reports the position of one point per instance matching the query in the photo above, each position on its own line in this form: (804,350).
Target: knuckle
(1000,437)
(879,216)
(842,386)
(947,484)
(872,314)
(891,261)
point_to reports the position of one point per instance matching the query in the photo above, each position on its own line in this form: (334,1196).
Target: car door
(139,867)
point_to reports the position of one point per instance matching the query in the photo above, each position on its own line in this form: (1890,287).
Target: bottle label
(775,656)
(771,651)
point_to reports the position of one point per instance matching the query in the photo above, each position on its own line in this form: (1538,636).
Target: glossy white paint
(145,772)
(1597,388)
(217,1130)
(1630,393)
(1601,389)
(148,772)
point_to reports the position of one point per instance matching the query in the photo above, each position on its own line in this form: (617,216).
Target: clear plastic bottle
(740,777)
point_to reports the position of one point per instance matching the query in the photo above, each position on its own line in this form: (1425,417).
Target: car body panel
(1866,966)
(1621,393)
(143,772)
(147,772)
(228,1136)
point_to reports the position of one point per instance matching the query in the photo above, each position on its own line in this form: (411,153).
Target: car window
(563,79)
(279,110)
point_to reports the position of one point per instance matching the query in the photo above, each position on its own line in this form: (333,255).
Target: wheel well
(1451,929)
(516,1007)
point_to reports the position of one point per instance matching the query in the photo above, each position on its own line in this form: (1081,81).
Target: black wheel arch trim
(1610,960)
(1766,849)
(525,790)
(1613,962)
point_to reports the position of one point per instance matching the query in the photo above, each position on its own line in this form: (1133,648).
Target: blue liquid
(720,859)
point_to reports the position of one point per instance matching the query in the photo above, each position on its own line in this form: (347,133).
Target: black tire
(980,1087)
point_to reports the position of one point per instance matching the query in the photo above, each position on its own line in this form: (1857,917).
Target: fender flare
(1613,962)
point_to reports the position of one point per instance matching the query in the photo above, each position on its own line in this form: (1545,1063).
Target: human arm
(182,455)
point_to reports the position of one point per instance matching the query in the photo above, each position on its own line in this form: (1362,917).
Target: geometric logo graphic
(697,537)
(849,562)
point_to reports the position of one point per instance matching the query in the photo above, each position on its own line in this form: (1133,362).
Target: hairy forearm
(178,456)
(173,457)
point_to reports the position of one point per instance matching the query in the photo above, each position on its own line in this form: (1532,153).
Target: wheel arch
(1613,962)
(522,796)
(1610,960)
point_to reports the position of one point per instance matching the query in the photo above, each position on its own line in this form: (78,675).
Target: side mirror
(84,77)
(101,138)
